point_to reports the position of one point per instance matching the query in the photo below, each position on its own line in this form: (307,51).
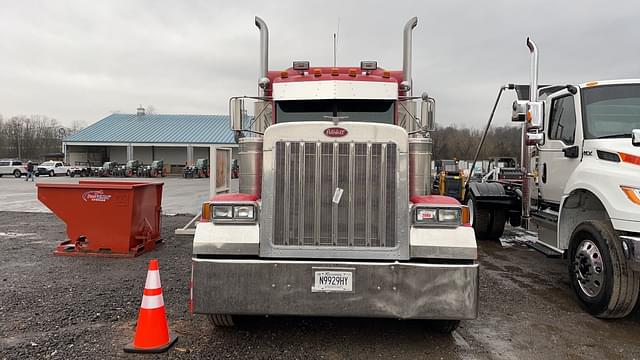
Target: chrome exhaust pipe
(525,158)
(263,82)
(405,85)
(533,86)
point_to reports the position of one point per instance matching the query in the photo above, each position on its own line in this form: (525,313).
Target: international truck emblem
(97,196)
(335,132)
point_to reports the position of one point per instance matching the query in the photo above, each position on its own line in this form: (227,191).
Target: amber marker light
(335,71)
(284,74)
(632,193)
(353,72)
(317,72)
(592,83)
(465,215)
(386,74)
(631,159)
(206,212)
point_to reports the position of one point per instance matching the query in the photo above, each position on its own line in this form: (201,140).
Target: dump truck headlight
(632,193)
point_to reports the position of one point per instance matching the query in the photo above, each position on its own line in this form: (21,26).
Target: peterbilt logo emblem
(335,132)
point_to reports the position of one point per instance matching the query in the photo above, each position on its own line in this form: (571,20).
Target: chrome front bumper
(380,289)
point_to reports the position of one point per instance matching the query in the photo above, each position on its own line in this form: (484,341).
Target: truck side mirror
(535,114)
(236,112)
(428,114)
(519,111)
(635,137)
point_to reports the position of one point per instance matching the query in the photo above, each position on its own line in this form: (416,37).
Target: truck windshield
(377,111)
(611,111)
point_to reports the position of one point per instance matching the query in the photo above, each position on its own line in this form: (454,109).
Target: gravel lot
(75,307)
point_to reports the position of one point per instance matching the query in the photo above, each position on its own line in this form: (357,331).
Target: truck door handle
(544,173)
(571,152)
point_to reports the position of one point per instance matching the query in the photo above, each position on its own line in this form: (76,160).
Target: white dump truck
(580,186)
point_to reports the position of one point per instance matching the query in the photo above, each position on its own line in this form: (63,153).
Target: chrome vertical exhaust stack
(263,82)
(533,88)
(405,85)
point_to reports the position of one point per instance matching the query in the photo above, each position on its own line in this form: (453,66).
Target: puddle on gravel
(15,234)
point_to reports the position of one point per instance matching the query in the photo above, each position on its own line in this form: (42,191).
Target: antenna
(335,44)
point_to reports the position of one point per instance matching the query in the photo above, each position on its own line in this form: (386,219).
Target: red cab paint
(335,132)
(434,200)
(234,197)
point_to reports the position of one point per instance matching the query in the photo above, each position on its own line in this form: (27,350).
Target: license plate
(332,281)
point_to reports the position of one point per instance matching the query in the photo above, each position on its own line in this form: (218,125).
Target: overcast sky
(82,60)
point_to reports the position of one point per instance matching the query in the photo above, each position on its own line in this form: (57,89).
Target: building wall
(142,153)
(171,155)
(118,154)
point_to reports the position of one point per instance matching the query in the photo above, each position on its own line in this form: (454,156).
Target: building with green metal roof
(177,139)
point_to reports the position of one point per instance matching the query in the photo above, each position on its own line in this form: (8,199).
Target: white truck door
(562,150)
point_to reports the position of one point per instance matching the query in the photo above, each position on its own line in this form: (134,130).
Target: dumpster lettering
(97,196)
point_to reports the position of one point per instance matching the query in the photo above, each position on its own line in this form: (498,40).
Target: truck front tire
(444,326)
(480,218)
(599,274)
(221,320)
(17,173)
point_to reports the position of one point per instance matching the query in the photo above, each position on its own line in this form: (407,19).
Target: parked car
(12,167)
(52,168)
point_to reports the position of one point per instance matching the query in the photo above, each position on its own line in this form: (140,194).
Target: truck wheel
(17,173)
(599,273)
(498,219)
(444,326)
(480,218)
(52,173)
(221,320)
(72,174)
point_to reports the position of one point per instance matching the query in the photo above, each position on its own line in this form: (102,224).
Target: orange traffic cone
(152,331)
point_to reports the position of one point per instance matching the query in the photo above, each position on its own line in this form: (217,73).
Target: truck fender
(486,190)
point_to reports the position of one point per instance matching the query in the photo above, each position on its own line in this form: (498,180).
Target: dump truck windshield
(611,111)
(377,111)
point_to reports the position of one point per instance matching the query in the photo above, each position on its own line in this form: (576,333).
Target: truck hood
(622,145)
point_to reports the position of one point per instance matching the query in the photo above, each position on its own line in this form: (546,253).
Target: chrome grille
(307,175)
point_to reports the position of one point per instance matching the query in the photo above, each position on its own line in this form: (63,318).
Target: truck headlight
(632,193)
(431,216)
(222,212)
(234,213)
(243,212)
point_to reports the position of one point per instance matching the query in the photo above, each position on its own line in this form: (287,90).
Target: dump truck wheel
(221,320)
(17,173)
(444,326)
(480,218)
(498,220)
(600,275)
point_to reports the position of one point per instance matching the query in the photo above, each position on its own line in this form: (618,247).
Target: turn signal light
(466,216)
(206,212)
(631,159)
(632,193)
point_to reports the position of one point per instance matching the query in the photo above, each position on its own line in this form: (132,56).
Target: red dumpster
(106,218)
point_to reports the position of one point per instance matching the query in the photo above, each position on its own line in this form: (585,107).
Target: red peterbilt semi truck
(334,216)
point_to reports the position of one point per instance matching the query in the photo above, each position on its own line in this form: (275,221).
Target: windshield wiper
(613,136)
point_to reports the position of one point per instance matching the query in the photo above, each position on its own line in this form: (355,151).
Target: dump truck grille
(335,194)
